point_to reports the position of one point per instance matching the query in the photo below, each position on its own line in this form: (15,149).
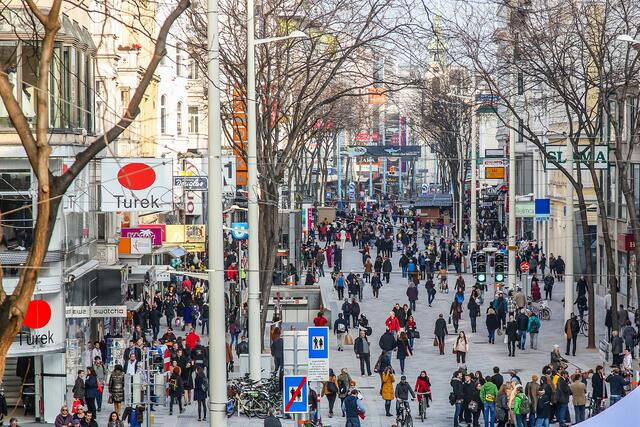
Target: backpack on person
(535,326)
(341,328)
(525,404)
(343,387)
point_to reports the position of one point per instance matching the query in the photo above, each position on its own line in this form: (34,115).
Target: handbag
(416,334)
(435,342)
(449,320)
(110,400)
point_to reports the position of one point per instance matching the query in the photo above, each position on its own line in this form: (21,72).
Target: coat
(91,387)
(492,322)
(403,349)
(116,386)
(387,390)
(599,386)
(198,392)
(440,328)
(78,389)
(579,393)
(461,345)
(412,293)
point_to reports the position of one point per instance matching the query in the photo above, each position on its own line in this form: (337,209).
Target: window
(635,183)
(179,60)
(29,61)
(15,203)
(8,61)
(88,90)
(194,119)
(55,88)
(125,95)
(179,118)
(163,115)
(193,69)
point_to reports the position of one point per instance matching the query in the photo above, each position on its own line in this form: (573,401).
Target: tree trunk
(269,237)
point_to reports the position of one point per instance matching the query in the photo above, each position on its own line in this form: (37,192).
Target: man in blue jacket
(351,407)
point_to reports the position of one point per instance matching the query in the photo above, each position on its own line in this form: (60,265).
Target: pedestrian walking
(511,335)
(571,331)
(563,391)
(116,388)
(386,269)
(431,290)
(200,392)
(455,313)
(412,295)
(91,391)
(339,285)
(474,312)
(403,350)
(362,348)
(543,408)
(522,321)
(457,397)
(599,389)
(354,310)
(376,284)
(531,390)
(353,407)
(521,406)
(277,350)
(492,323)
(330,390)
(440,332)
(533,327)
(344,385)
(461,348)
(176,390)
(488,395)
(340,328)
(412,331)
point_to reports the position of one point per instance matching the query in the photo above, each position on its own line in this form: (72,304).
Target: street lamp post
(253,195)
(217,356)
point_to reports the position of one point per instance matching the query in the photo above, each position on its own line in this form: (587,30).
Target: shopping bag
(348,340)
(435,342)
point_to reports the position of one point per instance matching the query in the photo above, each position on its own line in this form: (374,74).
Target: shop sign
(543,209)
(195,233)
(86,311)
(193,247)
(134,246)
(45,325)
(494,172)
(626,242)
(152,233)
(525,209)
(136,184)
(599,154)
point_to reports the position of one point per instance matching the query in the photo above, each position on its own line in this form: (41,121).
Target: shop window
(17,222)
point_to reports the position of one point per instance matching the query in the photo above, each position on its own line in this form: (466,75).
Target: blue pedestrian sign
(318,342)
(318,353)
(295,394)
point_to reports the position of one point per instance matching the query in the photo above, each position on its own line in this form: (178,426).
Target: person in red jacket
(423,387)
(320,320)
(191,339)
(393,324)
(232,272)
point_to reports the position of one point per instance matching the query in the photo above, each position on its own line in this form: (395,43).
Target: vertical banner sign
(318,356)
(240,136)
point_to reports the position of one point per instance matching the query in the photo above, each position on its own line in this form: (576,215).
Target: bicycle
(404,419)
(540,309)
(584,327)
(422,405)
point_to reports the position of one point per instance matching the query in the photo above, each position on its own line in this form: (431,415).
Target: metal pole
(512,204)
(475,129)
(217,356)
(570,235)
(370,167)
(339,169)
(253,190)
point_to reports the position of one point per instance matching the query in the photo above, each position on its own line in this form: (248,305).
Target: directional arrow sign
(295,394)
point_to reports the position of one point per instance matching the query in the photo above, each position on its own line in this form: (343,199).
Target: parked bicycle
(584,327)
(540,309)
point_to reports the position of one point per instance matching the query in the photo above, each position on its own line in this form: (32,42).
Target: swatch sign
(137,184)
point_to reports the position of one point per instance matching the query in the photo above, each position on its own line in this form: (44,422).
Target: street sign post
(295,394)
(424,189)
(239,230)
(524,266)
(318,353)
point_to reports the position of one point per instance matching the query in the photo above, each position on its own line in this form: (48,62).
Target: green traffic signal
(499,277)
(481,277)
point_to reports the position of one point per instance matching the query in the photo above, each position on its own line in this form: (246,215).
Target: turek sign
(143,184)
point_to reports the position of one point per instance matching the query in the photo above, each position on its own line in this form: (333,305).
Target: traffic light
(499,267)
(481,268)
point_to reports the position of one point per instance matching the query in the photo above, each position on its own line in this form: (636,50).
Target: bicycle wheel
(584,328)
(408,422)
(545,314)
(261,409)
(422,408)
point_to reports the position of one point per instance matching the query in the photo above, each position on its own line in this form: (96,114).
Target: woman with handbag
(440,332)
(403,350)
(461,348)
(330,390)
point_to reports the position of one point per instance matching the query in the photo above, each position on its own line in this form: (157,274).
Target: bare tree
(52,187)
(296,80)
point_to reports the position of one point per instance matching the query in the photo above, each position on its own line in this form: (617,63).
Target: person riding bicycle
(423,388)
(402,393)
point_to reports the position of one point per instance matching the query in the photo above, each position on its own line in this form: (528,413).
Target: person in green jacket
(488,395)
(520,413)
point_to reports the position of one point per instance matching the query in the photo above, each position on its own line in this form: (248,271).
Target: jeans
(402,364)
(156,331)
(332,400)
(169,322)
(456,414)
(412,305)
(387,406)
(534,340)
(365,359)
(520,419)
(489,414)
(532,419)
(562,413)
(460,357)
(279,364)
(353,422)
(404,271)
(522,338)
(569,341)
(542,422)
(431,296)
(492,336)
(321,270)
(99,402)
(614,398)
(473,323)
(579,411)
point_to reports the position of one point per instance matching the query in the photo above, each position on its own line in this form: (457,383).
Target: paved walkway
(482,355)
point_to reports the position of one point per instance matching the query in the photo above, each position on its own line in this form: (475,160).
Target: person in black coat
(492,323)
(599,387)
(91,391)
(154,321)
(176,390)
(468,391)
(404,350)
(512,335)
(440,332)
(200,392)
(474,312)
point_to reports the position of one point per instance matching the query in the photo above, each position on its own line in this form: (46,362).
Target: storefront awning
(83,269)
